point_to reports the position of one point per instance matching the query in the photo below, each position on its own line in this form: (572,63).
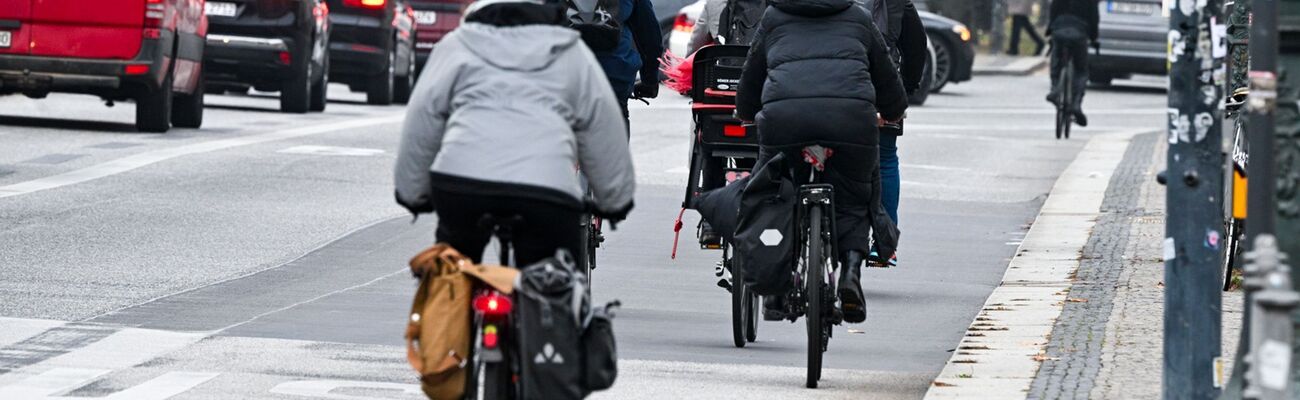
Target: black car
(372,48)
(270,45)
(954,49)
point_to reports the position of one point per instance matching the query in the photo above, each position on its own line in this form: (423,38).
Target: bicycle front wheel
(813,282)
(739,296)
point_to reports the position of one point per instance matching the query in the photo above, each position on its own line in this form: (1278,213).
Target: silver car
(1132,35)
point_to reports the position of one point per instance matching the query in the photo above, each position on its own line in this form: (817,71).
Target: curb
(1021,67)
(1002,350)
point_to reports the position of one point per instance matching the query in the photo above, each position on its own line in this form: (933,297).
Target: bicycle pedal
(719,270)
(725,284)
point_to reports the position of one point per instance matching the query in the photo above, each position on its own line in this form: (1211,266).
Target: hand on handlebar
(885,123)
(645,90)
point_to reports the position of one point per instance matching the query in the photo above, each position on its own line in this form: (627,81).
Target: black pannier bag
(597,21)
(553,305)
(600,365)
(765,240)
(721,208)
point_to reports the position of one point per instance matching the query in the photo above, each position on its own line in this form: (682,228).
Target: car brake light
(286,58)
(493,304)
(490,336)
(154,11)
(365,3)
(683,23)
(733,131)
(137,69)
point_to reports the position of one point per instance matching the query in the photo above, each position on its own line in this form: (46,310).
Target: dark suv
(271,45)
(372,48)
(436,18)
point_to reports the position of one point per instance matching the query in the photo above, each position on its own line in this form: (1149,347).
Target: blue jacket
(637,51)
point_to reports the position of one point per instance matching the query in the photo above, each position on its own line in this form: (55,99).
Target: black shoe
(773,308)
(708,237)
(1054,98)
(1079,118)
(851,299)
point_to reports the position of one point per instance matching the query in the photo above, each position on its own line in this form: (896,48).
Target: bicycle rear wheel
(813,283)
(1063,116)
(740,296)
(1068,81)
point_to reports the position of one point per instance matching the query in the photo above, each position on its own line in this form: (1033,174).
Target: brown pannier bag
(438,331)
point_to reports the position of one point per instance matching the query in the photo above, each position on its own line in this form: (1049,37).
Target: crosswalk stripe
(125,349)
(50,344)
(14,330)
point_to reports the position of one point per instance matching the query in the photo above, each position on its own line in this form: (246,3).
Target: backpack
(738,22)
(765,237)
(438,330)
(566,347)
(597,21)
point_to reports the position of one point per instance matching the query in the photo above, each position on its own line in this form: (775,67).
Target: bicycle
(1065,104)
(815,294)
(493,367)
(1235,186)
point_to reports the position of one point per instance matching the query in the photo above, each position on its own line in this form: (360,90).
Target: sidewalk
(1001,64)
(1080,311)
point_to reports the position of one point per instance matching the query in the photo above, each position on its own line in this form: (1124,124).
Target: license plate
(220,9)
(426,17)
(5,38)
(1132,8)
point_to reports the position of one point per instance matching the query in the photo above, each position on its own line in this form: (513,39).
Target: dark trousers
(1019,23)
(545,227)
(854,172)
(1072,44)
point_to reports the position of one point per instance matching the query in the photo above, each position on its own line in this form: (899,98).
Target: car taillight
(492,304)
(286,58)
(490,336)
(733,131)
(365,3)
(136,69)
(683,23)
(154,11)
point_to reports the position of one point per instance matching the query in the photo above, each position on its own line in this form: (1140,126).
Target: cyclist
(637,52)
(706,26)
(1073,25)
(509,103)
(818,72)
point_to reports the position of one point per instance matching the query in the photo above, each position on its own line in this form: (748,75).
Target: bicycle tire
(1068,101)
(751,322)
(593,241)
(813,283)
(739,294)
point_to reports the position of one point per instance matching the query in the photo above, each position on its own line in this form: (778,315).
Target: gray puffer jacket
(515,111)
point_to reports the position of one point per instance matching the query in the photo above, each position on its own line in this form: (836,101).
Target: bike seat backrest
(716,73)
(501,226)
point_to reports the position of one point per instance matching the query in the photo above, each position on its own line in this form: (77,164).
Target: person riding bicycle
(637,52)
(508,105)
(1073,25)
(818,72)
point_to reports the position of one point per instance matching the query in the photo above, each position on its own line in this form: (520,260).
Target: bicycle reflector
(492,304)
(733,130)
(490,337)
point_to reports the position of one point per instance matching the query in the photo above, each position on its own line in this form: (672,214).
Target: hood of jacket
(811,8)
(517,48)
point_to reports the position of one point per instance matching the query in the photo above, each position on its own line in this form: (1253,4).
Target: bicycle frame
(493,361)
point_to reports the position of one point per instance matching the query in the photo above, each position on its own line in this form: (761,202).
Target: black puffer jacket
(817,72)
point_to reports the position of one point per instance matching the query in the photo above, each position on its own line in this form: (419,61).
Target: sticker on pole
(1274,362)
(1170,251)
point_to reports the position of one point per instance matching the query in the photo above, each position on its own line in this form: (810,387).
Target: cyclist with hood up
(819,72)
(509,103)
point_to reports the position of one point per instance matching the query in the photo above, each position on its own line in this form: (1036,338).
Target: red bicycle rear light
(733,131)
(683,23)
(490,336)
(493,304)
(365,3)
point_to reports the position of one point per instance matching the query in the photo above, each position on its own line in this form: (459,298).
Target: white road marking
(124,349)
(17,329)
(164,387)
(132,162)
(933,167)
(685,169)
(49,383)
(325,389)
(332,151)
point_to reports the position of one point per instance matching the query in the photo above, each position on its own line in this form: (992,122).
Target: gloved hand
(616,216)
(645,90)
(424,207)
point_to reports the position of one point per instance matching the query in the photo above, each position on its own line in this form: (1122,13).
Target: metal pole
(1194,193)
(1268,375)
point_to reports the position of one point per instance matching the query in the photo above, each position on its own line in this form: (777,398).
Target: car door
(15,26)
(109,29)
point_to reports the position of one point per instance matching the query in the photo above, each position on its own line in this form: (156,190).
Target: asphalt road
(262,256)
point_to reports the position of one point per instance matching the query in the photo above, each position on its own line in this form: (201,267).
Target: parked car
(372,48)
(954,49)
(150,51)
(952,55)
(435,19)
(667,11)
(1133,35)
(271,45)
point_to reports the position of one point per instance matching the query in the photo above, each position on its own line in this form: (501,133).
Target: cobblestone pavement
(1107,342)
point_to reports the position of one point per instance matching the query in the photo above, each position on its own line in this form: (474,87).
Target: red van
(150,51)
(436,18)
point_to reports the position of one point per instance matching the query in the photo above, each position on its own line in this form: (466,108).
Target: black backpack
(739,21)
(765,236)
(597,21)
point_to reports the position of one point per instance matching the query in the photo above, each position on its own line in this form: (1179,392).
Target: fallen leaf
(857,331)
(1077,300)
(943,384)
(1043,357)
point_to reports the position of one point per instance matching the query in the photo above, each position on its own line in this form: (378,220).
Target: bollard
(1268,373)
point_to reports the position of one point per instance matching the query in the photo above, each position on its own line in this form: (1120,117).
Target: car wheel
(380,90)
(922,92)
(942,64)
(295,95)
(320,89)
(187,110)
(153,109)
(404,86)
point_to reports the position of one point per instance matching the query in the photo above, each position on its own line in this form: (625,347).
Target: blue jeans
(889,178)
